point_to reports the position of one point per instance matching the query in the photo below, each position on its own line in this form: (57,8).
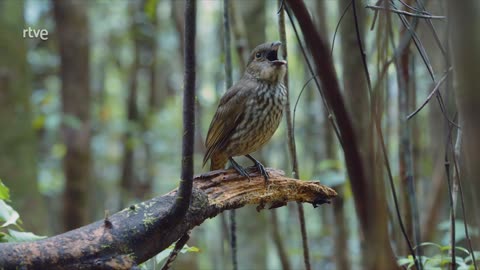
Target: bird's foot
(239,169)
(260,168)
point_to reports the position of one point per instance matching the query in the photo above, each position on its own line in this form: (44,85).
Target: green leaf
(469,257)
(166,252)
(429,244)
(163,255)
(3,237)
(186,248)
(403,261)
(459,231)
(150,9)
(434,261)
(463,249)
(38,122)
(4,191)
(16,236)
(448,247)
(7,214)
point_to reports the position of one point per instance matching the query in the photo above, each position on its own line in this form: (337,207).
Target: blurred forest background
(91,121)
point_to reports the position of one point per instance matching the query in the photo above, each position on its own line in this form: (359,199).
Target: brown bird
(249,112)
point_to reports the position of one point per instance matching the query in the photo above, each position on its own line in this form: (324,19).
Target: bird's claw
(240,170)
(262,171)
(260,168)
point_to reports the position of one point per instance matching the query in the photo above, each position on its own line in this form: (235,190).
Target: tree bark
(73,38)
(137,233)
(466,41)
(371,209)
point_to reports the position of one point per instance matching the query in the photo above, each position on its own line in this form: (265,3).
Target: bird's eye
(258,55)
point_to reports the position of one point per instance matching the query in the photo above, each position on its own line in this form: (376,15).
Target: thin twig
(450,197)
(459,137)
(298,99)
(379,133)
(178,246)
(233,239)
(277,239)
(403,76)
(291,138)
(426,60)
(226,44)
(228,84)
(411,7)
(434,91)
(317,83)
(462,202)
(303,229)
(423,16)
(338,26)
(361,49)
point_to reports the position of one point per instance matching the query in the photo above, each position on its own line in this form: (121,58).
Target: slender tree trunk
(253,13)
(18,157)
(128,178)
(355,89)
(339,222)
(150,51)
(402,64)
(433,154)
(466,44)
(239,33)
(73,37)
(365,110)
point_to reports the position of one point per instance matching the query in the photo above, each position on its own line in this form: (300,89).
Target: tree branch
(423,16)
(137,233)
(182,199)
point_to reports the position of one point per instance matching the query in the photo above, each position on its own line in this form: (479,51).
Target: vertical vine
(291,138)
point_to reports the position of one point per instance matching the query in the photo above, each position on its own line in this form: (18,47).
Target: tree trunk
(371,210)
(128,180)
(73,41)
(338,223)
(357,97)
(466,44)
(18,155)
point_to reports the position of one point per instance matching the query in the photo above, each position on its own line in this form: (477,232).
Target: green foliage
(150,9)
(4,192)
(8,218)
(16,236)
(160,257)
(459,232)
(442,259)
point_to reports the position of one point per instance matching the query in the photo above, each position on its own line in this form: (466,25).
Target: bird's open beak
(272,56)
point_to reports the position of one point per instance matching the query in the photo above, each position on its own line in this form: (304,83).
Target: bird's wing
(229,114)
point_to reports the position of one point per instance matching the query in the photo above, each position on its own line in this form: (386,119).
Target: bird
(249,112)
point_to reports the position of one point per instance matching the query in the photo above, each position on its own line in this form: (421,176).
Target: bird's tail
(218,162)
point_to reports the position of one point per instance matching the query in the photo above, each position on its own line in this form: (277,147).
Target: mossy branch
(137,233)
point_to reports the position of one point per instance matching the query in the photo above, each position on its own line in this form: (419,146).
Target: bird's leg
(239,168)
(260,167)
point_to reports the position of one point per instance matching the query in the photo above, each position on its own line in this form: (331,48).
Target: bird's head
(264,64)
